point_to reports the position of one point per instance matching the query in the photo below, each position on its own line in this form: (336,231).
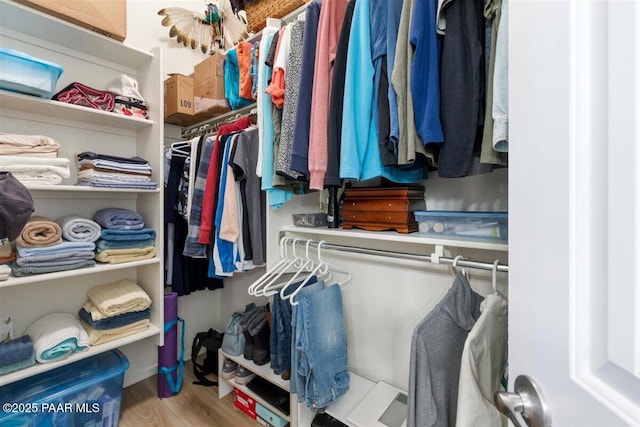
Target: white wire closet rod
(434,258)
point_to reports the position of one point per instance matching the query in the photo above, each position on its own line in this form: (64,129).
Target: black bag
(211,341)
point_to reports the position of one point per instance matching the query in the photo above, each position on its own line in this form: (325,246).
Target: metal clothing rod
(481,265)
(208,124)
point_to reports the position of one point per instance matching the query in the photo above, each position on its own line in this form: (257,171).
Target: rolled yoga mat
(168,366)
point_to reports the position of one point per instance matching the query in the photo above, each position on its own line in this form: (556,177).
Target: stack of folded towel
(56,336)
(32,159)
(16,354)
(41,250)
(123,237)
(103,170)
(7,256)
(114,311)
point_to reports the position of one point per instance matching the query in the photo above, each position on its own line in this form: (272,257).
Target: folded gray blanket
(52,261)
(30,270)
(119,219)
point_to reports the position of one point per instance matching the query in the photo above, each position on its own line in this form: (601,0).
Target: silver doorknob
(526,406)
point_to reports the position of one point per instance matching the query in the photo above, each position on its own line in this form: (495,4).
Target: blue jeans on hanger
(323,367)
(280,338)
(295,354)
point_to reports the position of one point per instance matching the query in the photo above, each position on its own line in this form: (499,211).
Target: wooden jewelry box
(382,208)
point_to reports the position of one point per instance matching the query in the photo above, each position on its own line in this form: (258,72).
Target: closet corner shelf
(62,110)
(392,236)
(99,268)
(93,350)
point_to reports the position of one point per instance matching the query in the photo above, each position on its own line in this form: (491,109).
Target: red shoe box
(245,402)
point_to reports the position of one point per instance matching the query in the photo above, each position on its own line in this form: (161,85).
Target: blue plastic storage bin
(490,226)
(84,393)
(24,73)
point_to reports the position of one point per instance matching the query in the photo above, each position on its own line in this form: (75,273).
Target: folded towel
(117,256)
(114,321)
(18,365)
(98,336)
(138,185)
(39,231)
(102,245)
(16,350)
(129,235)
(5,270)
(33,145)
(119,219)
(56,336)
(38,178)
(33,269)
(124,296)
(69,258)
(59,248)
(78,229)
(36,170)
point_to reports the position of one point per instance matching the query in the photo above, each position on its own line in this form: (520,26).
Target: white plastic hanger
(177,149)
(284,259)
(494,281)
(281,287)
(462,270)
(297,261)
(329,267)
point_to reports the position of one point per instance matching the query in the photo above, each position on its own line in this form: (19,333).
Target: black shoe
(261,346)
(248,346)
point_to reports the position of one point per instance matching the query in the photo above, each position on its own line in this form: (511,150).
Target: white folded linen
(56,336)
(31,145)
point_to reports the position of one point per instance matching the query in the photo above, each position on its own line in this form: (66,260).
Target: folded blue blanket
(16,350)
(18,365)
(119,219)
(30,270)
(115,321)
(60,248)
(103,245)
(137,235)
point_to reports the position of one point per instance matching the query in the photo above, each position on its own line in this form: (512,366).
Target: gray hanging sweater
(436,352)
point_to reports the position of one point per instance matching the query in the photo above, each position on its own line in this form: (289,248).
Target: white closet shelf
(392,236)
(358,389)
(62,110)
(99,268)
(23,19)
(263,371)
(93,350)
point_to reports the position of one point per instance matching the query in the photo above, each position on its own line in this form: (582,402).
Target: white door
(574,194)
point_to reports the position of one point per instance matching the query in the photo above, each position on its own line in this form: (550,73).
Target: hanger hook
(320,243)
(456,259)
(293,248)
(494,273)
(306,248)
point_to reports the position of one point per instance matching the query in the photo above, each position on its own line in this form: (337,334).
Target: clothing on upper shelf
(103,170)
(28,145)
(36,170)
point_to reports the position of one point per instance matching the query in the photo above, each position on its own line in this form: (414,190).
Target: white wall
(202,309)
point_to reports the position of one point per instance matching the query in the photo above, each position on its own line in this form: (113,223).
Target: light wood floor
(194,406)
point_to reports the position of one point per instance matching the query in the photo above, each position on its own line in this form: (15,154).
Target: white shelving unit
(264,371)
(94,60)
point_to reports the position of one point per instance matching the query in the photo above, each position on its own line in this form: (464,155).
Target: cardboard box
(208,86)
(178,100)
(245,402)
(107,17)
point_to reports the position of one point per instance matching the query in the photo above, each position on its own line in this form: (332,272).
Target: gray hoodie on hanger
(436,353)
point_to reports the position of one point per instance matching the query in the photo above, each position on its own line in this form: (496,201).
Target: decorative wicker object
(260,10)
